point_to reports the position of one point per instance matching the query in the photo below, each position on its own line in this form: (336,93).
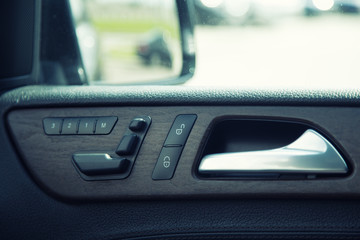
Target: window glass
(246,43)
(277,43)
(128,41)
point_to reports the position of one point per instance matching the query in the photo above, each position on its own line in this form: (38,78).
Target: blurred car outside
(153,49)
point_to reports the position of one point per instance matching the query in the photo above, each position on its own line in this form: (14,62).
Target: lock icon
(179,131)
(166,162)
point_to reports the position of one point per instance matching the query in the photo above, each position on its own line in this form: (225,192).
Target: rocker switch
(127,145)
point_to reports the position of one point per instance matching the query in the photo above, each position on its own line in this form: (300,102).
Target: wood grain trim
(48,158)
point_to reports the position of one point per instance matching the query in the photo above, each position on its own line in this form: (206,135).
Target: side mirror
(135,42)
(46,48)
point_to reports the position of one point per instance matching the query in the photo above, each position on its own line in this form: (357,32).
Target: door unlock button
(180,130)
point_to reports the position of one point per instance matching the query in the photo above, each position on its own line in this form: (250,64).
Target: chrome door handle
(311,153)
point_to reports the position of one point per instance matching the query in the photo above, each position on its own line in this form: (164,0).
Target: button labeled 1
(86,126)
(180,130)
(166,163)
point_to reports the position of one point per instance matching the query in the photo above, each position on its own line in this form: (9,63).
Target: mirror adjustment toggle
(80,125)
(173,146)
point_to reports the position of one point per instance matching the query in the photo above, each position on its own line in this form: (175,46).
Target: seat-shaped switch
(99,163)
(127,145)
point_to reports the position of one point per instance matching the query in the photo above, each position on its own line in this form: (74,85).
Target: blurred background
(256,43)
(128,41)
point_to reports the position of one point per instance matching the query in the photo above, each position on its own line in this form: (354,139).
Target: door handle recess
(310,154)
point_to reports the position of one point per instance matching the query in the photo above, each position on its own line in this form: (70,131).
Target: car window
(277,43)
(247,43)
(125,41)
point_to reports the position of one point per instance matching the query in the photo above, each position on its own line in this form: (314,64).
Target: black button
(137,124)
(166,163)
(86,126)
(52,126)
(127,145)
(99,163)
(70,126)
(104,125)
(180,130)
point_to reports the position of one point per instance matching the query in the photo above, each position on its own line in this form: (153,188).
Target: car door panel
(49,157)
(218,212)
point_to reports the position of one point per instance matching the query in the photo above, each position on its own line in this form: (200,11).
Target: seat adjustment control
(99,163)
(137,124)
(70,126)
(127,145)
(87,126)
(104,125)
(79,125)
(52,126)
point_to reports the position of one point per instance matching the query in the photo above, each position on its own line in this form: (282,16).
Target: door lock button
(166,163)
(180,130)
